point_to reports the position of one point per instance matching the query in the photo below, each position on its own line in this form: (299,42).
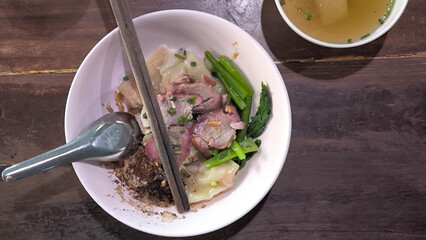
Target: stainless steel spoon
(110,138)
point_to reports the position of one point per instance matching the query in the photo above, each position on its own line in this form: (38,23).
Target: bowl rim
(395,13)
(257,45)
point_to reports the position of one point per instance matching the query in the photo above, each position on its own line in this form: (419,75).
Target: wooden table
(356,167)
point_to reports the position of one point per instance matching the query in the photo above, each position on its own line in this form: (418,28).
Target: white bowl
(99,76)
(397,10)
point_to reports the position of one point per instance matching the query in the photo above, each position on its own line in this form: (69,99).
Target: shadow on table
(290,48)
(121,231)
(39,18)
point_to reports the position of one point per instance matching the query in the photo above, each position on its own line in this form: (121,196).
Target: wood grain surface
(356,167)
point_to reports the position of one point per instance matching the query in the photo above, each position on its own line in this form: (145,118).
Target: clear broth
(337,21)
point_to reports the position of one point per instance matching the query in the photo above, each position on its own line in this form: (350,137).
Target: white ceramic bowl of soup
(327,22)
(101,73)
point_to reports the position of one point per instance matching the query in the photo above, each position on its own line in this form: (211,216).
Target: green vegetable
(182,131)
(228,99)
(215,151)
(125,78)
(193,64)
(182,52)
(144,115)
(173,99)
(243,162)
(239,101)
(227,77)
(381,21)
(247,145)
(172,111)
(309,16)
(191,100)
(245,117)
(213,183)
(178,152)
(179,56)
(350,40)
(234,72)
(365,36)
(258,122)
(184,119)
(282,2)
(238,150)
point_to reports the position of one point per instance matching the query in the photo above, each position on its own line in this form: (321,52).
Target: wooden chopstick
(149,98)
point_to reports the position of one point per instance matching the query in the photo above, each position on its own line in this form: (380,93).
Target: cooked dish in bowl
(207,121)
(101,74)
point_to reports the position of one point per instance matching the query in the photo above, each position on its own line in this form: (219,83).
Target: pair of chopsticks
(149,98)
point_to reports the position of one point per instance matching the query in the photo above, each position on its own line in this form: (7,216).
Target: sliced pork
(175,108)
(211,98)
(217,128)
(180,138)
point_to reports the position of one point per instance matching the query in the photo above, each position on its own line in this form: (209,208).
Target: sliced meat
(211,99)
(201,146)
(180,138)
(174,107)
(214,127)
(173,86)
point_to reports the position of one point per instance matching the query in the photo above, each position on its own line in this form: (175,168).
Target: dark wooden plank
(407,37)
(31,114)
(44,35)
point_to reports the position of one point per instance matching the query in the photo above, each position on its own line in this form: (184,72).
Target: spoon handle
(74,150)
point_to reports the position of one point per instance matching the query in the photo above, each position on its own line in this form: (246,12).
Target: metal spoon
(110,138)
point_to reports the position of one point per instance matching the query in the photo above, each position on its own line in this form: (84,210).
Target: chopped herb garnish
(184,119)
(282,2)
(182,131)
(191,100)
(172,111)
(178,152)
(144,115)
(365,36)
(350,40)
(182,52)
(309,16)
(182,99)
(179,56)
(193,64)
(151,197)
(213,183)
(126,78)
(381,21)
(173,99)
(185,174)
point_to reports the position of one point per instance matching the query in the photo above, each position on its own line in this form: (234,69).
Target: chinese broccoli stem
(245,117)
(238,150)
(234,72)
(248,145)
(239,101)
(227,77)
